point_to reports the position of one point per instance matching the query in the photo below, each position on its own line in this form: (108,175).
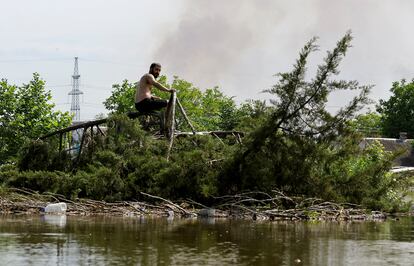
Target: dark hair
(154,65)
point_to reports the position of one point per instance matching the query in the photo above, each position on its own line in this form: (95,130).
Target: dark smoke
(213,35)
(240,44)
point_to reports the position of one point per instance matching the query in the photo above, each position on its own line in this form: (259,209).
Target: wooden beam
(220,134)
(85,125)
(74,127)
(100,130)
(185,115)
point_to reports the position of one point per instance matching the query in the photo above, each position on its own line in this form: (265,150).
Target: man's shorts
(150,104)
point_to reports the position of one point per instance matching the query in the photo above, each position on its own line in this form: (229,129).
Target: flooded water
(61,240)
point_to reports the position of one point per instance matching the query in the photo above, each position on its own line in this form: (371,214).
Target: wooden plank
(220,134)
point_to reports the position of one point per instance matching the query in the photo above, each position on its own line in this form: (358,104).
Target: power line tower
(75,92)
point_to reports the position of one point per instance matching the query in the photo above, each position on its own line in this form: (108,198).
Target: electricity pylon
(75,92)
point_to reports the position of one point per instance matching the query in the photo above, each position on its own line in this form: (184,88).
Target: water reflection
(58,220)
(144,241)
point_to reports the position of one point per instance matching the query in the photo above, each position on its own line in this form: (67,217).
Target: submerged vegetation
(293,146)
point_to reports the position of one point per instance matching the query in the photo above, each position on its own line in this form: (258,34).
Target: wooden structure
(168,128)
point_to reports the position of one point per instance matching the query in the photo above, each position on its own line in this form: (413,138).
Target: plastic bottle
(56,208)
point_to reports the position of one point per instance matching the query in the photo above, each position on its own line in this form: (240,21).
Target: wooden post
(237,136)
(185,116)
(92,147)
(170,116)
(80,149)
(69,136)
(60,142)
(170,122)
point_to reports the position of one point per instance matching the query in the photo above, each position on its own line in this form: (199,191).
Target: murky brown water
(60,240)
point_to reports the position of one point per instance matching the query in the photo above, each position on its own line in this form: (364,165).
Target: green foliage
(301,148)
(122,98)
(252,114)
(138,162)
(26,113)
(208,110)
(397,113)
(366,179)
(38,155)
(35,156)
(295,145)
(34,180)
(124,163)
(369,124)
(194,168)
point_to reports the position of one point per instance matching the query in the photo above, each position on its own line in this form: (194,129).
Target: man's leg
(158,104)
(152,105)
(149,105)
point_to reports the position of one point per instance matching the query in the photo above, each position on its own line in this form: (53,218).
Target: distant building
(392,145)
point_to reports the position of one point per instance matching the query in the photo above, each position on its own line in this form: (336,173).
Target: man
(144,100)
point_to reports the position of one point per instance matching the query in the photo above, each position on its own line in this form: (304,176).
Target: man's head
(155,69)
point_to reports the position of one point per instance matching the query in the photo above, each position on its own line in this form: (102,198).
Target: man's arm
(152,81)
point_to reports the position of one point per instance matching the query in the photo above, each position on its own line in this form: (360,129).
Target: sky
(237,45)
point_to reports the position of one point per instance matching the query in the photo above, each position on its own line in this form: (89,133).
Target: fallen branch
(169,202)
(262,206)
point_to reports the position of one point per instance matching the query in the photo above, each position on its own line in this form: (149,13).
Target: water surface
(61,240)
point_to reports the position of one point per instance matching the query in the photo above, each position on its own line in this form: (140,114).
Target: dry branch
(185,115)
(169,202)
(255,204)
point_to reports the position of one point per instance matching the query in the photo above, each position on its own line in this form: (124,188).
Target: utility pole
(75,92)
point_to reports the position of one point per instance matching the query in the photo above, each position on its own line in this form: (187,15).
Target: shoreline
(18,201)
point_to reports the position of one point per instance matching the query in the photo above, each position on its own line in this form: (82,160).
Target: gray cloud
(212,36)
(239,44)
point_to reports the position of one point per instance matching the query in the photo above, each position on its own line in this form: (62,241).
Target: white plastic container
(56,208)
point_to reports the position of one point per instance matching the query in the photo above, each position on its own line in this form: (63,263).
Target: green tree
(368,124)
(208,110)
(398,111)
(299,143)
(252,113)
(26,113)
(8,102)
(122,98)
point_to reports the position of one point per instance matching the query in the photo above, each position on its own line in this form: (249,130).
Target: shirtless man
(144,100)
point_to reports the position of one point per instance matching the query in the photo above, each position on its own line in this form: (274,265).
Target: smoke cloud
(212,36)
(240,44)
